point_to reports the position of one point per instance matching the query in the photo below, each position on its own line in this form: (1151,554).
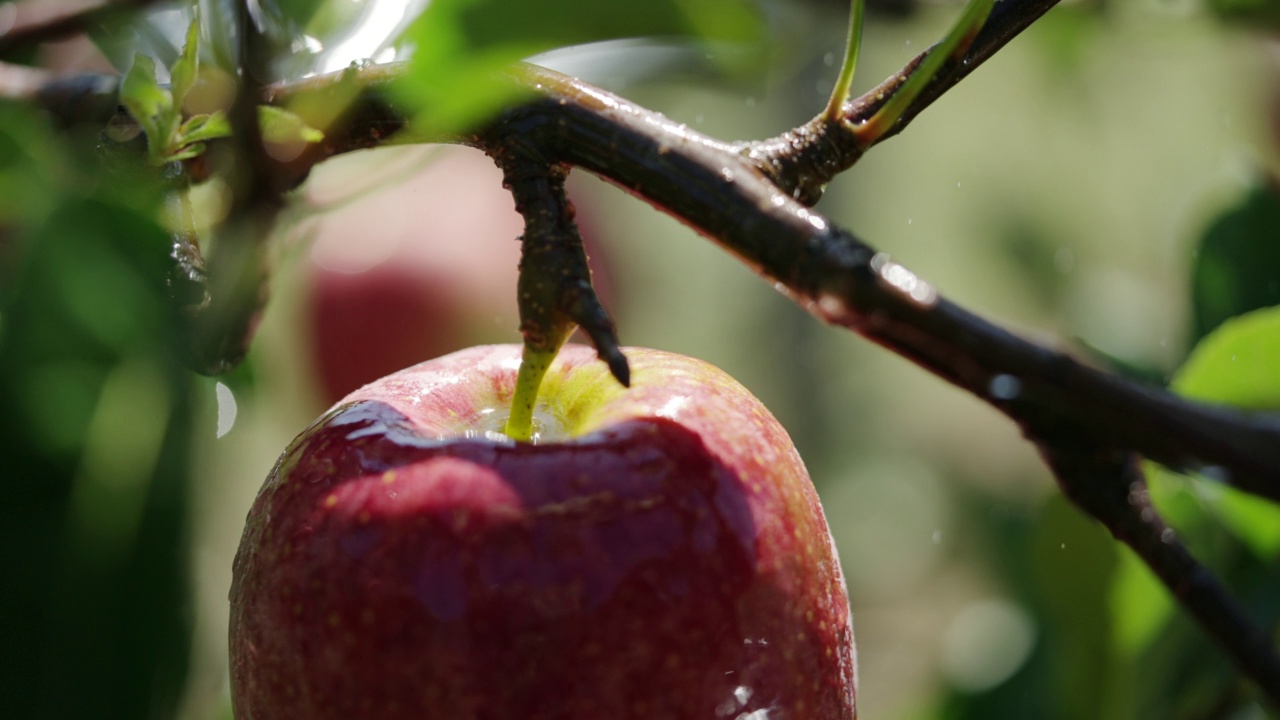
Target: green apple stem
(953,45)
(533,367)
(840,94)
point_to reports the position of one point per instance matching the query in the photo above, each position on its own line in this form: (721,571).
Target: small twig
(1109,486)
(803,160)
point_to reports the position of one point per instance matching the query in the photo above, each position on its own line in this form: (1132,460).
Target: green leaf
(281,126)
(185,153)
(182,76)
(1239,364)
(199,128)
(149,104)
(1256,14)
(142,96)
(1237,265)
(461,45)
(1139,603)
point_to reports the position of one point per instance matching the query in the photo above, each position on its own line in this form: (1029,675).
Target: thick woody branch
(40,21)
(711,186)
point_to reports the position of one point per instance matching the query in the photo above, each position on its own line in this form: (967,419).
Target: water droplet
(1004,387)
(937,537)
(829,59)
(226,408)
(1217,473)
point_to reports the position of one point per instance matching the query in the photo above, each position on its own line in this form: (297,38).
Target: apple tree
(157,159)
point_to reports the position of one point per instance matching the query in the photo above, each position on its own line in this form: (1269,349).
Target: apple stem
(533,367)
(953,46)
(844,84)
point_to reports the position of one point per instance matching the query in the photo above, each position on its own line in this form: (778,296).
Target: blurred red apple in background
(657,552)
(417,270)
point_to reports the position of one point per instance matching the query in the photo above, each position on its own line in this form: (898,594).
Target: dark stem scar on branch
(554,292)
(1109,485)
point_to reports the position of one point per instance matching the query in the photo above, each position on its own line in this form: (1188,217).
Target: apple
(656,552)
(386,289)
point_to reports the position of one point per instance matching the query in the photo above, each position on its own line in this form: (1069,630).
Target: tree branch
(844,281)
(1109,486)
(38,21)
(802,161)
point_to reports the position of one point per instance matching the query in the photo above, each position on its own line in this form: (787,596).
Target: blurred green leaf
(1239,364)
(30,159)
(94,441)
(1074,562)
(461,45)
(1256,14)
(1139,604)
(200,128)
(281,126)
(1237,266)
(149,104)
(182,76)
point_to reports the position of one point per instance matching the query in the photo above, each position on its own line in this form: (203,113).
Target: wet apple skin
(656,567)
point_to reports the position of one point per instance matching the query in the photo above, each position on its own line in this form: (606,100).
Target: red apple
(658,552)
(388,289)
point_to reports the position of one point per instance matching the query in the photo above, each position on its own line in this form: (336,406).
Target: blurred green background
(1104,185)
